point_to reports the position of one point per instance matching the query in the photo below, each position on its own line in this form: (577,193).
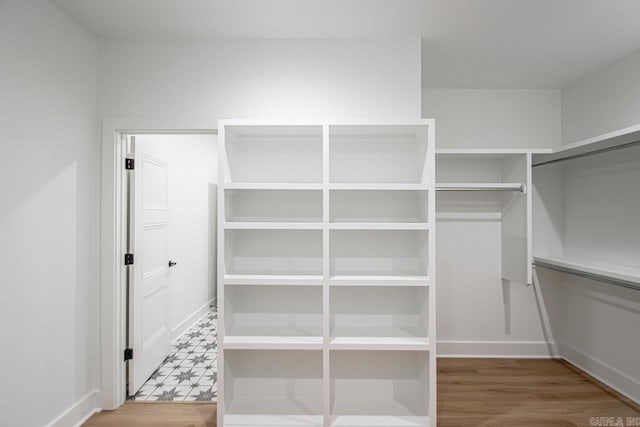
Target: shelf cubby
(379,317)
(273,154)
(379,254)
(273,388)
(379,388)
(264,314)
(377,154)
(378,206)
(273,252)
(273,206)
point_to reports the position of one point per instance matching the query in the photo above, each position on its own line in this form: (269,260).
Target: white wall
(603,101)
(477,313)
(49,308)
(494,118)
(192,161)
(261,79)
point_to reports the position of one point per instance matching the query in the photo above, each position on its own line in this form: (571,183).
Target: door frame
(112,244)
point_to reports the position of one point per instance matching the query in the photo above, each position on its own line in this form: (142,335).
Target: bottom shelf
(268,420)
(379,420)
(273,411)
(375,412)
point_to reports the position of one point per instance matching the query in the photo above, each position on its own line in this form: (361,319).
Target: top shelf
(605,142)
(616,274)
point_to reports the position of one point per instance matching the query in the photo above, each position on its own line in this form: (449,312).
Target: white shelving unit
(326,265)
(491,185)
(587,205)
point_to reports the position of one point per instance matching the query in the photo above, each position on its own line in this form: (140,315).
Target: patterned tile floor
(189,373)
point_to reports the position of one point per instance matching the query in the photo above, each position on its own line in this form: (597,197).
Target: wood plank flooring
(471,392)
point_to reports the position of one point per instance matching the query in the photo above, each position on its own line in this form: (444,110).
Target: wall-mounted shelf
(622,138)
(326,259)
(613,274)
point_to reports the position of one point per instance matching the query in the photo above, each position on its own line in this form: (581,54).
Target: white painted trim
(79,412)
(190,320)
(497,349)
(620,382)
(112,369)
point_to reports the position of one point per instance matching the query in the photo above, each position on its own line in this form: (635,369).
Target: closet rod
(589,153)
(521,188)
(596,277)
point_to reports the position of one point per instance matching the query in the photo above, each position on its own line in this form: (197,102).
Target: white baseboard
(79,412)
(184,326)
(521,349)
(604,373)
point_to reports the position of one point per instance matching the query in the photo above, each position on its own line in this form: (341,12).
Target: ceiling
(465,43)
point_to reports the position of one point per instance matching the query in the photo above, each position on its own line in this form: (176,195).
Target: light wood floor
(471,392)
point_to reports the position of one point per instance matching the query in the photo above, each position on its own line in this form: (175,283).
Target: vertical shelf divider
(326,313)
(430,176)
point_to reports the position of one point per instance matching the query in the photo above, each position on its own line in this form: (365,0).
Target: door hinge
(128,259)
(128,354)
(129,164)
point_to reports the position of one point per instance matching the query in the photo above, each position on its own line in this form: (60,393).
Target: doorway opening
(169,207)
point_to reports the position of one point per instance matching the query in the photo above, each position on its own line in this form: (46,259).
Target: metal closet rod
(521,188)
(595,277)
(589,153)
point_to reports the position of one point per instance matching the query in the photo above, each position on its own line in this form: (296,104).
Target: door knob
(172,263)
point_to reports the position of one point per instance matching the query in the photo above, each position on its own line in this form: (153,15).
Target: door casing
(113,245)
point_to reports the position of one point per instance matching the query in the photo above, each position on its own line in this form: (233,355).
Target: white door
(149,327)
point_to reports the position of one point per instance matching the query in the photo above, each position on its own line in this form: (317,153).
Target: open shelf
(273,225)
(283,186)
(378,420)
(379,316)
(278,342)
(380,253)
(380,343)
(273,388)
(273,206)
(379,226)
(596,270)
(273,279)
(617,139)
(379,187)
(273,311)
(355,280)
(483,186)
(378,206)
(379,388)
(273,154)
(273,252)
(377,154)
